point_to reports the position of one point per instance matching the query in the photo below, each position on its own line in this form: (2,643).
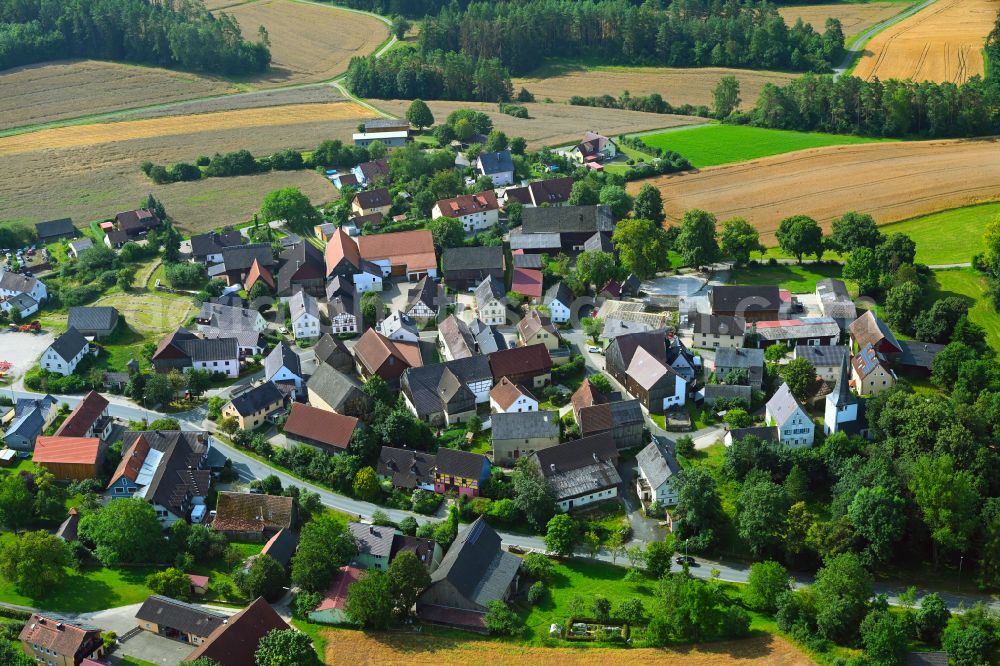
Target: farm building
(175,619)
(234,642)
(253,518)
(55,230)
(93,321)
(70,458)
(328,431)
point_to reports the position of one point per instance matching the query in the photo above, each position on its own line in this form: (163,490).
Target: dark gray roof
(782,405)
(69,344)
(719,324)
(830,356)
(476,566)
(228,317)
(432,388)
(559,292)
(768,434)
(282,546)
(608,415)
(745,299)
(55,228)
(657,463)
(472,258)
(453,462)
(332,352)
(424,292)
(580,467)
(842,390)
(16,282)
(567,219)
(406,468)
(488,338)
(21,301)
(798,329)
(282,356)
(244,337)
(339,286)
(374,540)
(715,392)
(81,244)
(520,240)
(302,303)
(257,398)
(178,474)
(527,261)
(219,349)
(213,242)
(525,425)
(334,387)
(187,618)
(918,354)
(89,318)
(599,242)
(727,357)
(374,198)
(496,162)
(241,257)
(490,288)
(939,658)
(301,258)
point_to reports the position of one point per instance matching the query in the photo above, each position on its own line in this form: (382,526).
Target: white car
(594,350)
(283,330)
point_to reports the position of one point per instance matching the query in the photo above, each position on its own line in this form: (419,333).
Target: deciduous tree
(765,585)
(124,531)
(285,647)
(408,577)
(697,242)
(35,562)
(291,205)
(947,499)
(800,235)
(561,535)
(419,114)
(649,205)
(642,245)
(738,239)
(370,601)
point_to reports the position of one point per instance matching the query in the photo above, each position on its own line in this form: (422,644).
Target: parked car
(594,349)
(686,559)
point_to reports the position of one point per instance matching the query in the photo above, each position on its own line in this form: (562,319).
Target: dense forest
(180,34)
(406,73)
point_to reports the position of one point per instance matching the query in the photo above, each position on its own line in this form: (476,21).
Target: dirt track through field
(891,181)
(854,18)
(940,43)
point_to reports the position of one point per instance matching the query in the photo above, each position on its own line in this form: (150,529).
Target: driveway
(643,529)
(23,349)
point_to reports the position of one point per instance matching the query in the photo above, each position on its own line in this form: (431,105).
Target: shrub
(536,593)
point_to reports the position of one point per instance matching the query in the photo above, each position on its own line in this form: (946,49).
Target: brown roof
(57,634)
(868,329)
(84,415)
(131,461)
(533,324)
(533,359)
(413,248)
(247,512)
(506,393)
(587,396)
(341,246)
(258,272)
(553,191)
(235,642)
(374,198)
(82,450)
(320,425)
(467,204)
(384,357)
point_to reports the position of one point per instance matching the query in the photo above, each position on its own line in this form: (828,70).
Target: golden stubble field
(891,181)
(356,648)
(91,172)
(677,86)
(940,43)
(854,18)
(553,124)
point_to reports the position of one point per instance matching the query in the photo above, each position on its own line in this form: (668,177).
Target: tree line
(408,73)
(180,34)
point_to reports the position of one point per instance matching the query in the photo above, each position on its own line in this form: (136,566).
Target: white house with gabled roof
(783,411)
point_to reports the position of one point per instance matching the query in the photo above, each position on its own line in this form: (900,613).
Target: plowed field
(940,43)
(891,181)
(854,18)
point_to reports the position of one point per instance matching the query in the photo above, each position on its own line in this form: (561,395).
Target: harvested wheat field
(553,124)
(940,43)
(309,42)
(677,86)
(854,18)
(54,91)
(321,92)
(359,648)
(891,181)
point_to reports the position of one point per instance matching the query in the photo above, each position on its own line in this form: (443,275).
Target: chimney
(552,467)
(371,529)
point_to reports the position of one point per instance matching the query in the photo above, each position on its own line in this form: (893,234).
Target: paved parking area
(22,349)
(155,649)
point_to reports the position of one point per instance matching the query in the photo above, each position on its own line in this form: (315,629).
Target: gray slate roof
(282,356)
(580,467)
(782,405)
(16,282)
(219,349)
(558,292)
(257,398)
(719,324)
(523,240)
(768,434)
(69,344)
(567,219)
(713,392)
(527,261)
(241,257)
(488,338)
(213,242)
(496,162)
(657,463)
(91,318)
(175,614)
(488,290)
(55,228)
(374,540)
(810,327)
(476,566)
(727,357)
(302,303)
(333,386)
(823,356)
(472,258)
(525,425)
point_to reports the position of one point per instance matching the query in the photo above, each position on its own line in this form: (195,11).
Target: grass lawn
(798,279)
(948,237)
(968,283)
(710,145)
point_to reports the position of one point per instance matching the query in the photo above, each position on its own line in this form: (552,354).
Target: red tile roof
(336,594)
(384,357)
(258,272)
(235,642)
(83,416)
(81,450)
(468,204)
(320,425)
(341,246)
(58,635)
(527,281)
(506,393)
(415,249)
(533,359)
(132,461)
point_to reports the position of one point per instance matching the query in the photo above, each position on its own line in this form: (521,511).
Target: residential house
(356,225)
(207,248)
(93,321)
(167,468)
(682,361)
(639,362)
(332,352)
(552,192)
(474,572)
(65,353)
(249,342)
(304,312)
(398,327)
(587,396)
(594,148)
(558,299)
(718,331)
(751,304)
(466,267)
(332,608)
(509,398)
(498,166)
(16,284)
(335,391)
(51,639)
(422,300)
(370,202)
(809,331)
(343,260)
(136,223)
(328,431)
(447,393)
(256,405)
(534,244)
(341,306)
(461,472)
(253,517)
(387,125)
(574,224)
(455,339)
(90,418)
(183,350)
(528,283)
(622,418)
(78,247)
(488,338)
(405,469)
(844,411)
(871,372)
(581,472)
(491,305)
(531,365)
(325,230)
(712,393)
(70,458)
(427,551)
(24,304)
(519,434)
(301,266)
(657,477)
(403,253)
(374,545)
(175,619)
(372,173)
(836,302)
(475,211)
(237,260)
(375,354)
(601,242)
(827,360)
(396,139)
(31,417)
(783,411)
(536,328)
(869,330)
(229,318)
(283,367)
(234,643)
(55,230)
(729,359)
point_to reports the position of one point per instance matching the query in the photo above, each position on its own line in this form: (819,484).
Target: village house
(455,339)
(394,139)
(827,360)
(581,472)
(229,318)
(558,299)
(375,354)
(15,284)
(465,267)
(253,517)
(783,411)
(371,202)
(595,148)
(406,469)
(22,303)
(283,367)
(237,260)
(31,417)
(715,331)
(281,547)
(536,328)
(78,247)
(809,331)
(301,266)
(340,310)
(712,393)
(93,321)
(427,551)
(57,641)
(65,353)
(303,310)
(836,302)
(343,260)
(207,248)
(177,620)
(403,253)
(509,398)
(399,328)
(531,365)
(601,242)
(491,305)
(751,304)
(235,641)
(332,352)
(447,393)
(551,192)
(335,391)
(422,300)
(136,223)
(183,350)
(90,418)
(475,211)
(622,418)
(519,434)
(70,458)
(574,225)
(328,431)
(871,371)
(374,545)
(748,361)
(256,405)
(372,173)
(55,230)
(488,338)
(869,330)
(639,362)
(460,472)
(657,477)
(498,166)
